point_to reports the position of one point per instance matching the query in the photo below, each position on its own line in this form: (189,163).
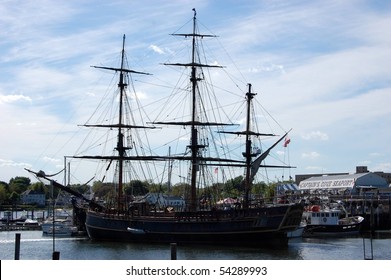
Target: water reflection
(35,246)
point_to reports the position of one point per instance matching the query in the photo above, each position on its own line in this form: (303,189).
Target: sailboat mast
(169,170)
(194,146)
(120,144)
(247,183)
(194,132)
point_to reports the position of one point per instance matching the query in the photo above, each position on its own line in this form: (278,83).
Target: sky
(321,68)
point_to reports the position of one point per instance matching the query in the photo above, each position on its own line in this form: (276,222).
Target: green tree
(38,186)
(136,187)
(14,197)
(19,184)
(259,188)
(3,193)
(157,188)
(2,183)
(80,188)
(233,187)
(102,190)
(270,191)
(179,189)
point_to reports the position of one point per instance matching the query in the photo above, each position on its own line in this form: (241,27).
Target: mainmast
(195,121)
(248,154)
(120,144)
(194,133)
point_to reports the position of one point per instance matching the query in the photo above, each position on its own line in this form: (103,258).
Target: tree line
(10,193)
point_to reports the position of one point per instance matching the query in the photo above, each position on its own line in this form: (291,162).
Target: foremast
(120,126)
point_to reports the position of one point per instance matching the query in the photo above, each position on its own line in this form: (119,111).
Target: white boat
(62,224)
(328,222)
(61,230)
(28,222)
(298,232)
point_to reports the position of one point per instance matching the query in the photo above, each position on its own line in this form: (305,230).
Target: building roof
(32,192)
(287,187)
(348,181)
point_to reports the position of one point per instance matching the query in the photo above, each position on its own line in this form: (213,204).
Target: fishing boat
(199,220)
(323,222)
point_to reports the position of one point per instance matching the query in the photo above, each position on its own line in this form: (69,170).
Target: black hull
(267,226)
(331,230)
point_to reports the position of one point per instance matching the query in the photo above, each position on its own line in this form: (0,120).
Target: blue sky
(322,68)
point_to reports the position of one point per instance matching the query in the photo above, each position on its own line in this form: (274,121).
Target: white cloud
(365,162)
(11,163)
(375,154)
(271,67)
(315,135)
(384,167)
(311,155)
(140,95)
(156,49)
(4,162)
(14,98)
(314,168)
(52,160)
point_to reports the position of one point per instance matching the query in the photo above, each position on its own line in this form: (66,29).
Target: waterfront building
(359,169)
(354,184)
(33,197)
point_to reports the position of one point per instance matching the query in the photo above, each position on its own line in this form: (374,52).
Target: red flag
(216,170)
(287,141)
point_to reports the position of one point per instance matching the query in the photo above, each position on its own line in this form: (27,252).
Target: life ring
(324,219)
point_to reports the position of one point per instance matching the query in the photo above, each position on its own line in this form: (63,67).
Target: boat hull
(59,229)
(331,230)
(261,226)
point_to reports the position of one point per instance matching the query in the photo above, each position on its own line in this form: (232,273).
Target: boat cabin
(327,217)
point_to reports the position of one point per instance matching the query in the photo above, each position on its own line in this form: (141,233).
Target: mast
(194,146)
(169,169)
(120,126)
(248,155)
(120,144)
(194,133)
(252,166)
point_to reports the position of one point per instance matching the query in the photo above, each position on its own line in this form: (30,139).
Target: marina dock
(15,227)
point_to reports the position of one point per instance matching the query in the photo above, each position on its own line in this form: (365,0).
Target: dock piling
(173,251)
(56,255)
(17,246)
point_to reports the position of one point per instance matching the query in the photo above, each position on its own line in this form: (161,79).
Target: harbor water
(35,246)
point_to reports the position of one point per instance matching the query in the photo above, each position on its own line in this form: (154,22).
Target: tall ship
(200,215)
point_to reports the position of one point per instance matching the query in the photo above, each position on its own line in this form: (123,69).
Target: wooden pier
(15,227)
